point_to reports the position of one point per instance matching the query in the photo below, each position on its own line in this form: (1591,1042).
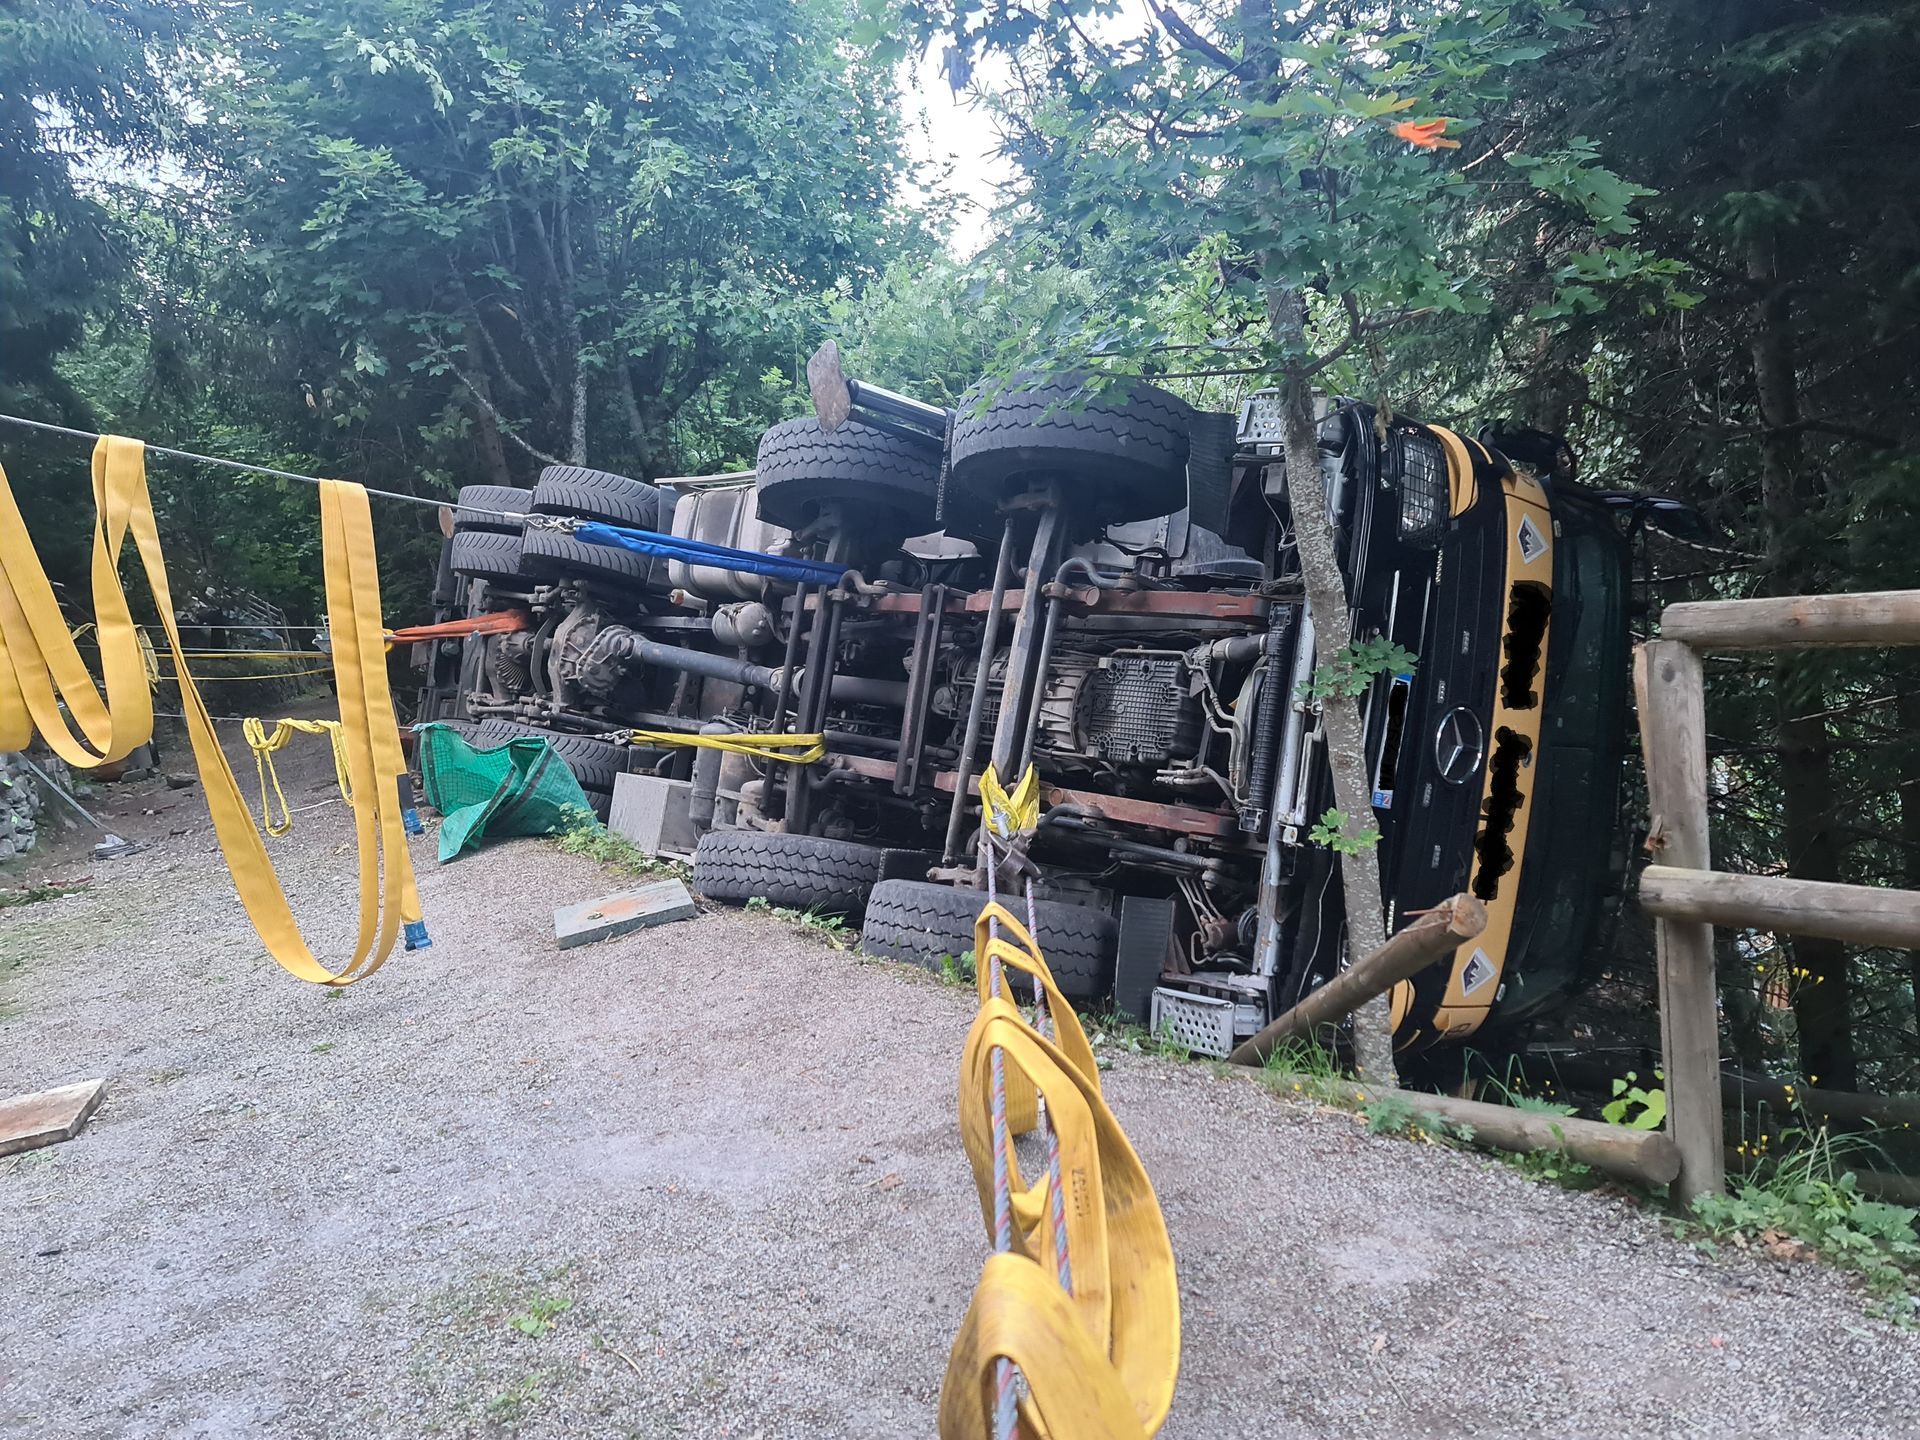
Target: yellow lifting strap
(266,743)
(1019,1314)
(792,749)
(1008,815)
(39,667)
(1125,1295)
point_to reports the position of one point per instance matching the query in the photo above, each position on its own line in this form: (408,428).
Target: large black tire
(801,467)
(923,923)
(593,761)
(490,497)
(486,555)
(1121,454)
(596,495)
(550,555)
(803,872)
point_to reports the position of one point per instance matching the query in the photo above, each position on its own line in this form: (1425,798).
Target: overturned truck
(1101,583)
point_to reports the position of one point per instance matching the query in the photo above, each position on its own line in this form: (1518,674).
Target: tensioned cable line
(51,429)
(258,469)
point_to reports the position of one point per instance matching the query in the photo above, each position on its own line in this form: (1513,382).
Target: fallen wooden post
(1437,933)
(1645,1157)
(1858,914)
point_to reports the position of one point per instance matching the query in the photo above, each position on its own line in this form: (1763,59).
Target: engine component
(1132,708)
(1137,711)
(747,624)
(510,658)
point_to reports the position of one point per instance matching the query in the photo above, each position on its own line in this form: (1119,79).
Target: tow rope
(694,552)
(265,745)
(1074,1330)
(40,668)
(497,622)
(790,749)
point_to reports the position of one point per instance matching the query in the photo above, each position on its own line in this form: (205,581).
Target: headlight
(1420,468)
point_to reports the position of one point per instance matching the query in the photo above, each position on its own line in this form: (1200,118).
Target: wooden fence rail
(1684,893)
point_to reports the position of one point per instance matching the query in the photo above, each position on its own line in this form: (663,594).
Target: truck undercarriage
(1100,583)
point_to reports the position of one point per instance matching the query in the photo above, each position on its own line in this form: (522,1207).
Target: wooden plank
(1796,622)
(1858,914)
(48,1116)
(1434,935)
(1671,697)
(1648,1157)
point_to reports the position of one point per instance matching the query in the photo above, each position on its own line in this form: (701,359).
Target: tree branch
(1189,38)
(501,422)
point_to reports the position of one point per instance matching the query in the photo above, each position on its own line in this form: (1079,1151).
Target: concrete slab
(652,813)
(617,914)
(48,1116)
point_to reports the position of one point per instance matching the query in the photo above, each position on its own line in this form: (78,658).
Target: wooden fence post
(1671,696)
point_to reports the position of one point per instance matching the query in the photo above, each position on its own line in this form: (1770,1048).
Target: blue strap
(702,552)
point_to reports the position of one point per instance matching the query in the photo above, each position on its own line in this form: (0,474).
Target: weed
(1390,1115)
(512,1403)
(1555,1167)
(1806,1203)
(323,1047)
(588,838)
(959,969)
(542,1315)
(1634,1107)
(1123,1034)
(831,928)
(1300,1067)
(34,894)
(336,992)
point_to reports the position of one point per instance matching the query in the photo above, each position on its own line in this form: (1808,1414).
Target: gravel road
(706,1180)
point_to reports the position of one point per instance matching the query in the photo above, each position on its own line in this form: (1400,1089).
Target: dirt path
(713,1169)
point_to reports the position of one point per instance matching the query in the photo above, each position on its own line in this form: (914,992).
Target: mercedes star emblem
(1459,743)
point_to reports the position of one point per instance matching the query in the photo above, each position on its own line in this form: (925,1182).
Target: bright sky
(954,134)
(945,129)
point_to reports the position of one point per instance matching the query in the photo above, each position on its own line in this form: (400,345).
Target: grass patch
(831,929)
(1806,1204)
(959,969)
(590,840)
(1116,1032)
(34,894)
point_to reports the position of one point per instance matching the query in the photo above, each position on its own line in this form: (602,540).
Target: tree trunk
(1822,1001)
(492,451)
(1333,633)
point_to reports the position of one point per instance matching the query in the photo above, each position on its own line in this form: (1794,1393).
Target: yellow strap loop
(265,744)
(39,668)
(1019,1314)
(1124,1290)
(805,749)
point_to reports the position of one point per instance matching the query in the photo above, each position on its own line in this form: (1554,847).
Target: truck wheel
(800,467)
(486,555)
(1121,453)
(596,495)
(550,555)
(593,761)
(923,923)
(803,872)
(491,497)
